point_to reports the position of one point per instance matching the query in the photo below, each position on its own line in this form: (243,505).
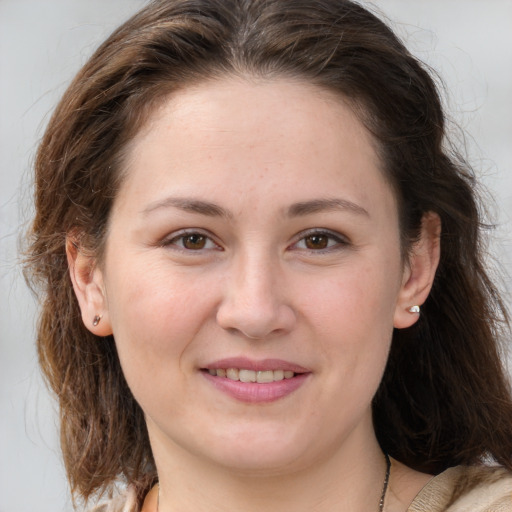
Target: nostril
(250,337)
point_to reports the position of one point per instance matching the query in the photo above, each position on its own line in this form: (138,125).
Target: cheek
(357,299)
(353,322)
(151,298)
(155,316)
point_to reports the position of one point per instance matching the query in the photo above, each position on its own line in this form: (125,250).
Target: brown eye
(321,242)
(191,241)
(316,241)
(194,241)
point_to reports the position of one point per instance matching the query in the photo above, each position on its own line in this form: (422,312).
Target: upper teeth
(252,375)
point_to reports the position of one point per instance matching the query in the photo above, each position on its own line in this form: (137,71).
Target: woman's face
(254,237)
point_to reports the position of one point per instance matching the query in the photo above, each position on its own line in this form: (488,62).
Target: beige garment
(458,489)
(466,489)
(125,502)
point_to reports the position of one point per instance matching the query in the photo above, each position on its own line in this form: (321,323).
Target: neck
(350,478)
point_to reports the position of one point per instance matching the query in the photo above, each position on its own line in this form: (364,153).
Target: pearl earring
(414,309)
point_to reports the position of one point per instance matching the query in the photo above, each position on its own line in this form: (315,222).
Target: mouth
(255,381)
(246,375)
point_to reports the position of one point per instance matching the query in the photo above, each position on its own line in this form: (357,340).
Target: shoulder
(125,501)
(467,489)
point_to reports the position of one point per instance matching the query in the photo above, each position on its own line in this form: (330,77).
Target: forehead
(226,131)
(254,106)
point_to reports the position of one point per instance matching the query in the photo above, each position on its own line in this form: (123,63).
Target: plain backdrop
(44,43)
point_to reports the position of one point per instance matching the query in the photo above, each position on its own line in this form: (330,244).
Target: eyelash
(334,241)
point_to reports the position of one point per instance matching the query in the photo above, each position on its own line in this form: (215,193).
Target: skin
(258,285)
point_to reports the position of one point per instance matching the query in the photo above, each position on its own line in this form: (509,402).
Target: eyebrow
(190,205)
(300,209)
(323,205)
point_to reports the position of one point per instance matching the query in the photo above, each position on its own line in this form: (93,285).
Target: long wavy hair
(444,399)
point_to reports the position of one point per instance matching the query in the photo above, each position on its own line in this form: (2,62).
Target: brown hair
(444,399)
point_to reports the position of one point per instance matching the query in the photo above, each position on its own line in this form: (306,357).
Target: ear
(419,272)
(88,284)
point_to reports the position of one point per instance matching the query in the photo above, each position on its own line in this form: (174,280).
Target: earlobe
(88,285)
(420,272)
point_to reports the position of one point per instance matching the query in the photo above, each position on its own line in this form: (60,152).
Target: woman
(262,271)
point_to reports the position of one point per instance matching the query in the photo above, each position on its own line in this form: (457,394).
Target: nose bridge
(256,272)
(255,302)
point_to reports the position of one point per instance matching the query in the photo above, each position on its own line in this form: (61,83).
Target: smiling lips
(255,382)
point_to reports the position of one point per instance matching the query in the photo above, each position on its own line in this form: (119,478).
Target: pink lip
(252,392)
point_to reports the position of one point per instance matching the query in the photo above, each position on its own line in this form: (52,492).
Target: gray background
(42,45)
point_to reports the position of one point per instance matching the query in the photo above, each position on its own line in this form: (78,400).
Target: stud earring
(414,309)
(96,320)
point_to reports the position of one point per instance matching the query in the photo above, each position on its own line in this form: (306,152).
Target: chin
(258,462)
(269,452)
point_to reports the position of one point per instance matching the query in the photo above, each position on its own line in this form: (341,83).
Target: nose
(254,303)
